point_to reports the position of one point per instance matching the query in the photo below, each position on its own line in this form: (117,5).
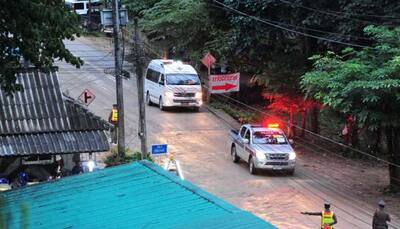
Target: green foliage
(114,159)
(176,23)
(37,28)
(241,116)
(278,57)
(364,83)
(136,7)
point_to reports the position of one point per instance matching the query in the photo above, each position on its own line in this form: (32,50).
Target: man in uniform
(380,217)
(113,119)
(328,218)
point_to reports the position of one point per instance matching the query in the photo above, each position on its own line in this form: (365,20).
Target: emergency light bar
(273,125)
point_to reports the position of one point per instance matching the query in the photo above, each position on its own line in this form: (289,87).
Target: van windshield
(182,79)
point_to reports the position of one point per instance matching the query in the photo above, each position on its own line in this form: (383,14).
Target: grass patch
(114,159)
(238,115)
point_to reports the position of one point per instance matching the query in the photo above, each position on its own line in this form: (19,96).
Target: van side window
(148,74)
(152,75)
(162,81)
(79,6)
(243,131)
(247,135)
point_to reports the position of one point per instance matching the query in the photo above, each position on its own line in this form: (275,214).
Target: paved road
(200,142)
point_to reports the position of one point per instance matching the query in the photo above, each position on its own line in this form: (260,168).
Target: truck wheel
(252,168)
(290,172)
(161,104)
(148,101)
(234,155)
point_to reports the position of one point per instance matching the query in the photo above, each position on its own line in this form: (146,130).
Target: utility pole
(89,16)
(119,81)
(140,85)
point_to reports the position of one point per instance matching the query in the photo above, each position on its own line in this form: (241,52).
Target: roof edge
(191,187)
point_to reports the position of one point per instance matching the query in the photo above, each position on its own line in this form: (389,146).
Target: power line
(311,178)
(312,29)
(338,12)
(314,134)
(287,29)
(327,13)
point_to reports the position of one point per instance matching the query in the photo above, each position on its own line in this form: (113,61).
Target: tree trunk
(303,123)
(394,158)
(292,132)
(315,120)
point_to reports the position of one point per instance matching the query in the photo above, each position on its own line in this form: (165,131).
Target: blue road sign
(159,149)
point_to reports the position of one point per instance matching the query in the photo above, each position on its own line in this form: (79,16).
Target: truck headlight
(198,95)
(169,94)
(292,155)
(261,156)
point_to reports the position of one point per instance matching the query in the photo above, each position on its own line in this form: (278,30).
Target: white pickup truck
(265,148)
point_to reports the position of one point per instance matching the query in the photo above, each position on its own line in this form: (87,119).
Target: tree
(176,23)
(366,85)
(34,30)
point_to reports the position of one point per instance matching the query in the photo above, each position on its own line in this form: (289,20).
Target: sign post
(224,83)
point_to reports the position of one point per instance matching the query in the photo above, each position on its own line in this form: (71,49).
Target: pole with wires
(119,80)
(140,84)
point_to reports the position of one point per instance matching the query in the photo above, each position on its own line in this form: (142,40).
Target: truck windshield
(265,137)
(183,79)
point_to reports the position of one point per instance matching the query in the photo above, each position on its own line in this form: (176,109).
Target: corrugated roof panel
(139,195)
(42,109)
(53,143)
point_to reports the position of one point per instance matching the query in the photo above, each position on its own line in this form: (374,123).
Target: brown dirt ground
(368,180)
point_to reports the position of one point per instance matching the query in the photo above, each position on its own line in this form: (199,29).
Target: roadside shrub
(114,159)
(238,115)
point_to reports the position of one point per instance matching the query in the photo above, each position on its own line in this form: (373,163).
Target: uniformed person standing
(380,217)
(328,218)
(113,119)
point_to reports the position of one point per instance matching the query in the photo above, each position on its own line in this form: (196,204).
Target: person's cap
(381,203)
(327,204)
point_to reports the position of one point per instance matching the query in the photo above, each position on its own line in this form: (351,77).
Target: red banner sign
(224,83)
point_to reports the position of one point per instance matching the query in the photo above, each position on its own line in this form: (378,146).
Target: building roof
(137,195)
(46,122)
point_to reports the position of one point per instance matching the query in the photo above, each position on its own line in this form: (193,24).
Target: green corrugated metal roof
(137,195)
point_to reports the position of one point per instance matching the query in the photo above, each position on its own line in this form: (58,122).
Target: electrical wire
(274,24)
(334,13)
(315,134)
(310,190)
(314,30)
(328,13)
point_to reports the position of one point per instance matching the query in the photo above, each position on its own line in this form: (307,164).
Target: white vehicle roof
(171,67)
(258,127)
(268,129)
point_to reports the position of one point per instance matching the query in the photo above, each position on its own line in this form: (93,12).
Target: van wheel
(196,109)
(234,155)
(161,104)
(252,168)
(148,101)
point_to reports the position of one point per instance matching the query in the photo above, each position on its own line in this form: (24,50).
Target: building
(137,195)
(40,128)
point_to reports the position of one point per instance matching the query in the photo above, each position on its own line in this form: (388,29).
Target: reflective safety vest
(326,220)
(114,115)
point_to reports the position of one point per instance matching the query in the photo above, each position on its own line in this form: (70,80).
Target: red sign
(224,83)
(87,97)
(208,60)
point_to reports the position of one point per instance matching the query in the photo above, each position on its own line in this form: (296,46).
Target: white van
(172,83)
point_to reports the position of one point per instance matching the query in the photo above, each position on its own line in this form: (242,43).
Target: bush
(114,159)
(238,115)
